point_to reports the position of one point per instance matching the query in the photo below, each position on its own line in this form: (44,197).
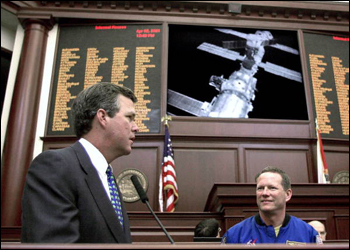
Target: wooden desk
(167,246)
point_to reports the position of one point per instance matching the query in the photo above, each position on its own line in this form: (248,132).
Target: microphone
(144,199)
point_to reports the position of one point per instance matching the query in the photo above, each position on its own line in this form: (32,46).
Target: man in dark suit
(67,192)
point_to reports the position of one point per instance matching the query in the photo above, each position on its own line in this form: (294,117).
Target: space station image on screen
(235,73)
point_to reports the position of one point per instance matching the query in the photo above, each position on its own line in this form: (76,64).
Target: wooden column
(19,144)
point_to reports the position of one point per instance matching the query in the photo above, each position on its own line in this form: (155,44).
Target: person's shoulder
(60,164)
(306,230)
(54,156)
(233,235)
(57,152)
(298,220)
(302,224)
(243,224)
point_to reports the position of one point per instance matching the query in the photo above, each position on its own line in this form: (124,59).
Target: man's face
(270,195)
(122,128)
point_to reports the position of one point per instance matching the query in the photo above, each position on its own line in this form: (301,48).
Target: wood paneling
(240,128)
(336,161)
(293,159)
(144,157)
(197,169)
(342,227)
(202,161)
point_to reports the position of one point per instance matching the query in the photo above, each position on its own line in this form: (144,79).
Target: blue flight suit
(254,231)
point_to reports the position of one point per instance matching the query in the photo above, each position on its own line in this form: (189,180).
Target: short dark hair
(207,228)
(285,178)
(102,95)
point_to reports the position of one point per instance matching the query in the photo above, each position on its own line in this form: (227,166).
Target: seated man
(319,227)
(272,224)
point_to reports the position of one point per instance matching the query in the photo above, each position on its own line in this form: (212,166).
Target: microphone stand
(160,223)
(144,199)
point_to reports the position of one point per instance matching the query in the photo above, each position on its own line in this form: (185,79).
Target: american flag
(167,180)
(322,170)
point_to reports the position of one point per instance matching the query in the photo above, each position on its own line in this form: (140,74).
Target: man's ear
(288,194)
(101,116)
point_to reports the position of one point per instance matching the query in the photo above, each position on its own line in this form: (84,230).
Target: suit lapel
(99,194)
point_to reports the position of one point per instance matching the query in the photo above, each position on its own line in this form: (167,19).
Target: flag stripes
(322,170)
(167,180)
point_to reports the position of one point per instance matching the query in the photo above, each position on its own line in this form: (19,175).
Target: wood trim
(280,14)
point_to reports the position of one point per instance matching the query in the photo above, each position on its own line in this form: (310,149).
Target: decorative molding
(284,11)
(47,21)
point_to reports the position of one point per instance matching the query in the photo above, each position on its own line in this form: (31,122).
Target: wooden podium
(328,203)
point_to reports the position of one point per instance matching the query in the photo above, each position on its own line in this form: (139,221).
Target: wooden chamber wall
(203,158)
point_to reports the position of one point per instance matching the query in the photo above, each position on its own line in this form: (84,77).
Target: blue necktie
(114,195)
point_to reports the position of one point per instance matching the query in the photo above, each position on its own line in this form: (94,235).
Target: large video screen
(225,72)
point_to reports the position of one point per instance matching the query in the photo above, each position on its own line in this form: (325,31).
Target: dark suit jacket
(64,201)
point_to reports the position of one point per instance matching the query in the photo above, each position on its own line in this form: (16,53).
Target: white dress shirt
(98,161)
